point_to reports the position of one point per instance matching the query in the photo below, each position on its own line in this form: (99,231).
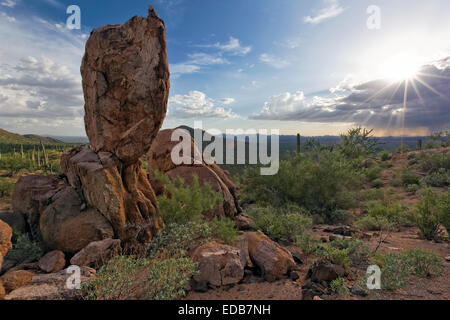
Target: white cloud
(40,83)
(7,18)
(376,103)
(273,61)
(278,106)
(197,60)
(332,10)
(197,105)
(233,47)
(9,3)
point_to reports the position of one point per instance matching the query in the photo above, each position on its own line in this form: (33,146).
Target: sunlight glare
(402,66)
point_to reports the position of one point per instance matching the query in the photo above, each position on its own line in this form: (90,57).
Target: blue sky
(297,66)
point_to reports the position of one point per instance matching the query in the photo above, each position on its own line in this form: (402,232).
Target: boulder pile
(104,192)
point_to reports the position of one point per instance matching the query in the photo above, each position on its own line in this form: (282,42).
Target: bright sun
(401,66)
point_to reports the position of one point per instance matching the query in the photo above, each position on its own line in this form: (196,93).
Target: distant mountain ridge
(7,137)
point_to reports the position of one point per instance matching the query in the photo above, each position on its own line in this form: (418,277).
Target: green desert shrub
(339,287)
(385,156)
(131,278)
(177,239)
(372,173)
(423,263)
(397,267)
(409,177)
(396,214)
(412,188)
(308,244)
(357,250)
(319,182)
(395,182)
(369,223)
(279,225)
(224,229)
(335,255)
(181,203)
(440,178)
(24,250)
(428,215)
(377,183)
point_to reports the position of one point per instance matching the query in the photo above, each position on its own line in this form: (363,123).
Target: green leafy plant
(177,239)
(130,278)
(24,250)
(428,215)
(423,263)
(280,225)
(181,203)
(339,287)
(337,256)
(308,244)
(224,229)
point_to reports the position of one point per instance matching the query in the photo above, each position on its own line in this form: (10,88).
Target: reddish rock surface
(97,253)
(52,262)
(5,240)
(16,279)
(126,84)
(219,264)
(274,261)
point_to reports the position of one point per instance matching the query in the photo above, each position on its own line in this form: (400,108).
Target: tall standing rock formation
(104,192)
(126,87)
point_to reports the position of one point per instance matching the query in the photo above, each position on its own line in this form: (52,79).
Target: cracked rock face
(126,86)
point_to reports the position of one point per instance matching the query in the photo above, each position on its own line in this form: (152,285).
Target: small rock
(317,298)
(16,279)
(51,286)
(219,264)
(325,270)
(356,290)
(447,258)
(97,253)
(312,289)
(52,262)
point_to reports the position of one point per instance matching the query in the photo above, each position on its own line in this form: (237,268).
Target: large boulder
(274,261)
(52,262)
(52,286)
(219,264)
(5,240)
(122,194)
(31,196)
(126,84)
(160,158)
(16,279)
(57,215)
(97,253)
(65,226)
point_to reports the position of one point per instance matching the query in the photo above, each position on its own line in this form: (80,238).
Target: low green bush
(339,287)
(409,177)
(385,156)
(282,225)
(335,255)
(225,230)
(132,278)
(177,239)
(372,173)
(24,250)
(308,244)
(369,223)
(423,263)
(182,203)
(377,183)
(357,250)
(428,215)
